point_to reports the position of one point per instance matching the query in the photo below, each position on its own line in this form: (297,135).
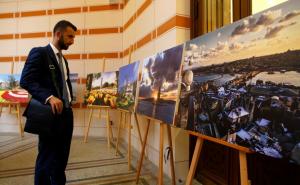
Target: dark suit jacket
(36,77)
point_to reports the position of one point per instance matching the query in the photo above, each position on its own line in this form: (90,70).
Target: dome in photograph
(275,98)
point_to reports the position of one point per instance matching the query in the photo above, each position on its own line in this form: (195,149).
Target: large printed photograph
(241,83)
(74,78)
(10,90)
(127,86)
(158,89)
(101,89)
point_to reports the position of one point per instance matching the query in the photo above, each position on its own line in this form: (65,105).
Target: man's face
(66,38)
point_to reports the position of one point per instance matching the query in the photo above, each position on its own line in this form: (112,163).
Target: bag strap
(53,74)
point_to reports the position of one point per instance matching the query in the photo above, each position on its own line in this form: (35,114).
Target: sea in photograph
(288,77)
(219,79)
(163,111)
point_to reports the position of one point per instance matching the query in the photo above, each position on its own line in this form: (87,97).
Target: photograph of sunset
(159,85)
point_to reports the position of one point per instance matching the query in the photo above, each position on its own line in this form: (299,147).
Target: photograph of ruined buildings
(241,83)
(158,89)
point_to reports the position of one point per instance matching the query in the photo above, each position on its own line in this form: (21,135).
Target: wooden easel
(17,105)
(11,72)
(123,120)
(161,148)
(122,123)
(107,118)
(242,156)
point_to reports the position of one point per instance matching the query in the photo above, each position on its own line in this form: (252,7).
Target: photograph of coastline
(101,89)
(10,90)
(127,84)
(241,83)
(158,90)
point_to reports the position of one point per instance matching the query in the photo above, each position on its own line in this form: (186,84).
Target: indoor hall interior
(114,34)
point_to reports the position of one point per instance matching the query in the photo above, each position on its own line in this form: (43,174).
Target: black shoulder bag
(40,118)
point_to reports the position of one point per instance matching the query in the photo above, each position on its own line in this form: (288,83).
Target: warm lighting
(260,5)
(154,95)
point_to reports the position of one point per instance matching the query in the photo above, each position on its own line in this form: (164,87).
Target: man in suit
(53,150)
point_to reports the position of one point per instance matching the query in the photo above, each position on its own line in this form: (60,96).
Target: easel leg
(88,126)
(111,132)
(139,131)
(129,142)
(0,110)
(142,153)
(108,128)
(194,162)
(20,121)
(161,157)
(100,114)
(171,155)
(125,120)
(138,128)
(119,129)
(243,168)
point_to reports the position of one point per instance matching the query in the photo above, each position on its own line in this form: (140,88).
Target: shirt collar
(55,50)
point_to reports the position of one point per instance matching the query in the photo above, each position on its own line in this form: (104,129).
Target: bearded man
(46,77)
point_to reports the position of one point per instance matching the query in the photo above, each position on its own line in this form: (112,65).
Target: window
(260,5)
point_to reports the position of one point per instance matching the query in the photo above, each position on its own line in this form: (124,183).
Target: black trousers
(53,152)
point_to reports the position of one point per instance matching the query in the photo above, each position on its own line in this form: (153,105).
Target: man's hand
(56,105)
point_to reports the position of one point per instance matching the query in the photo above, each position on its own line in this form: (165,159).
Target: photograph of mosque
(127,85)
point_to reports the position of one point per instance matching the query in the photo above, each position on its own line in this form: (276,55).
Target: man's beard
(61,44)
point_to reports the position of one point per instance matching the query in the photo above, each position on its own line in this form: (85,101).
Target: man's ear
(58,34)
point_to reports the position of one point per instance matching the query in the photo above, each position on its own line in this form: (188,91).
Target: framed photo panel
(10,90)
(159,87)
(127,86)
(101,89)
(241,83)
(74,79)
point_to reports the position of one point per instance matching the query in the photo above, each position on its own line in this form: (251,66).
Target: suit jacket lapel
(58,73)
(68,78)
(54,62)
(52,56)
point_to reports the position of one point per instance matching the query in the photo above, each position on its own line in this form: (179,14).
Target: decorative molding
(92,31)
(61,11)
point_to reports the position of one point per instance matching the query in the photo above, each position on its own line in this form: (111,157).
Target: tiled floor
(91,163)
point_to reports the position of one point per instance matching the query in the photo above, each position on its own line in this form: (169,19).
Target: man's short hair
(62,26)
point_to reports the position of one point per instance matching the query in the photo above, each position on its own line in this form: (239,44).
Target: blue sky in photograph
(4,77)
(128,73)
(275,30)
